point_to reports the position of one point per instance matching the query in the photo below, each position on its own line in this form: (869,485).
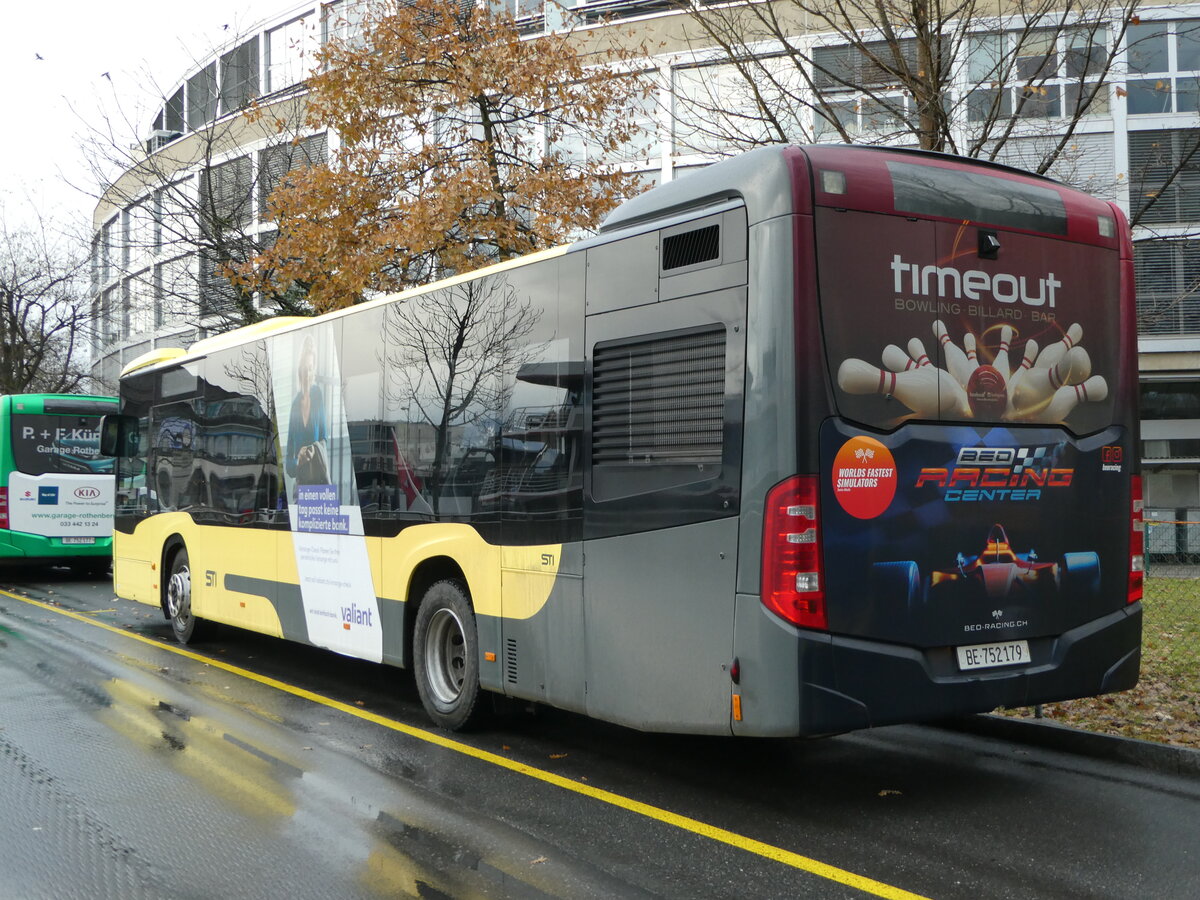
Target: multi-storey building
(195,191)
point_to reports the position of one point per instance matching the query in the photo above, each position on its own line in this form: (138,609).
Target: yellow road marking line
(685,823)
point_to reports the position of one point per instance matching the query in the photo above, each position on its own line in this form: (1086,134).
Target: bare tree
(945,75)
(187,197)
(452,356)
(44,315)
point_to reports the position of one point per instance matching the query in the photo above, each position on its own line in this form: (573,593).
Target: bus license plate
(986,656)
(79,540)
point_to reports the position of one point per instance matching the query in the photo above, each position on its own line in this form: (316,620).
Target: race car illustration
(997,572)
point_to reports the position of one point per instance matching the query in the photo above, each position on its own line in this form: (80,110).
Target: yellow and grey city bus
(815,439)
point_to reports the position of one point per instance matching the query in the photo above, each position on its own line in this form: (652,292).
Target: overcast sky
(46,104)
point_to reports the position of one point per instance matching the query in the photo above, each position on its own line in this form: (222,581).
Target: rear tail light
(793,581)
(3,507)
(1137,541)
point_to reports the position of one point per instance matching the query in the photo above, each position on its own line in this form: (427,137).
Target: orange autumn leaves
(453,152)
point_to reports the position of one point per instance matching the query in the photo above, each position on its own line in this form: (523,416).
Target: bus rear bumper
(21,548)
(875,683)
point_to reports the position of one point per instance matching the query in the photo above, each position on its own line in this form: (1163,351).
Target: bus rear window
(975,197)
(45,443)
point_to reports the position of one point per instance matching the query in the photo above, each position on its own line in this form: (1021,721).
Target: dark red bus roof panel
(869,187)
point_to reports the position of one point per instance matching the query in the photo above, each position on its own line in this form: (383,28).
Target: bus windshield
(44,443)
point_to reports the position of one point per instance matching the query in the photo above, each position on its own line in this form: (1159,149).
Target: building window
(1170,400)
(1040,74)
(121,326)
(859,93)
(1164,176)
(106,250)
(715,109)
(108,317)
(239,76)
(1164,62)
(276,161)
(175,291)
(226,196)
(290,50)
(173,112)
(343,21)
(217,296)
(202,97)
(125,237)
(1168,286)
(141,303)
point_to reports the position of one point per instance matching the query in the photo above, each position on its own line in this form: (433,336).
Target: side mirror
(118,436)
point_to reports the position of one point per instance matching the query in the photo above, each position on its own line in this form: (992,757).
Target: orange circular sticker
(864,477)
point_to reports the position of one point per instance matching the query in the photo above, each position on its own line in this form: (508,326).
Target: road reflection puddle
(244,776)
(393,838)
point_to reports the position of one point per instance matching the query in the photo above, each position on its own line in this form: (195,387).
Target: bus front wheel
(446,657)
(178,601)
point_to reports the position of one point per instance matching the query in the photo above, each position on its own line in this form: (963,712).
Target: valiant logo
(947,282)
(353,615)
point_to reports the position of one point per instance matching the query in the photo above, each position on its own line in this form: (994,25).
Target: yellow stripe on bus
(684,823)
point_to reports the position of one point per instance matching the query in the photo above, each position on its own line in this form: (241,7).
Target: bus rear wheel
(178,601)
(446,657)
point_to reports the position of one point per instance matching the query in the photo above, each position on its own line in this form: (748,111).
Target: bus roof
(755,177)
(57,403)
(161,356)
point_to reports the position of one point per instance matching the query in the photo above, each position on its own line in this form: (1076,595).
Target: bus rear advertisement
(56,489)
(814,439)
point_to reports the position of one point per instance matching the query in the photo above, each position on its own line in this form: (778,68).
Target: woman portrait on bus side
(307,459)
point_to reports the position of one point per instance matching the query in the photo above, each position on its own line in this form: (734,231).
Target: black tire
(446,657)
(177,601)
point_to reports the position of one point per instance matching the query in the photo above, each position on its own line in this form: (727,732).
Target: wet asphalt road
(268,770)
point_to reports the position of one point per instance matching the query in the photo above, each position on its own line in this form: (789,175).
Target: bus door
(665,338)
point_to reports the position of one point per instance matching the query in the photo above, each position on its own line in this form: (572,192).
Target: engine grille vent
(660,402)
(510,661)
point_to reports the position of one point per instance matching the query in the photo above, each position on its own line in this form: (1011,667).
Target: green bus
(56,490)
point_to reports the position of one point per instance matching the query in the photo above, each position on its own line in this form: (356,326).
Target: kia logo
(87,493)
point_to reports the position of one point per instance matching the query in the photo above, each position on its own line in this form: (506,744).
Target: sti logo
(48,496)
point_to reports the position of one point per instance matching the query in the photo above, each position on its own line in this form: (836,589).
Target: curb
(1043,733)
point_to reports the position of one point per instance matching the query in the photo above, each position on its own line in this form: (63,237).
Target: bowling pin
(1039,385)
(969,346)
(956,361)
(1000,364)
(1053,353)
(896,359)
(1069,396)
(928,391)
(917,351)
(1031,351)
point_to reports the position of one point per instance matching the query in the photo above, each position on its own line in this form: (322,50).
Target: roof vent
(688,248)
